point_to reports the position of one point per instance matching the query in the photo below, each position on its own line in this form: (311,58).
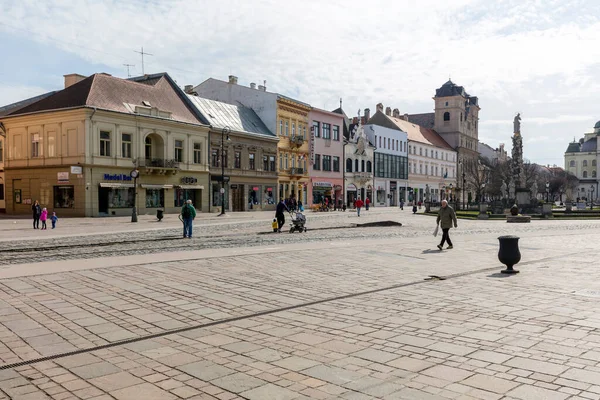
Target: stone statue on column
(504,190)
(511,190)
(534,190)
(517,123)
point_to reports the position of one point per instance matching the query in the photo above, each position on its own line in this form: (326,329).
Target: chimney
(253,85)
(396,113)
(72,79)
(379,107)
(388,111)
(262,88)
(233,79)
(367,114)
(405,117)
(188,89)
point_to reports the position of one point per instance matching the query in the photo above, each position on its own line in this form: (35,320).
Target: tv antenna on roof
(129,65)
(142,53)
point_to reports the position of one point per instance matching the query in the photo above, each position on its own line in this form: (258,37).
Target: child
(44,217)
(54,219)
(275,225)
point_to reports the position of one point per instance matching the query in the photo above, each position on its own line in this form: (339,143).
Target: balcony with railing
(363,176)
(158,164)
(296,141)
(296,171)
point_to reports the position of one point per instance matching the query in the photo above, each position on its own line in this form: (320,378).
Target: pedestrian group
(41,214)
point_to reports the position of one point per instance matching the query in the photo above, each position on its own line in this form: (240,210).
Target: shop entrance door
(103,200)
(237,197)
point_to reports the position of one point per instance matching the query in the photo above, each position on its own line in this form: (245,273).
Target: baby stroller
(298,221)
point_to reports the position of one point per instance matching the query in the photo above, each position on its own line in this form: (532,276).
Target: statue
(504,190)
(517,123)
(511,190)
(427,192)
(534,190)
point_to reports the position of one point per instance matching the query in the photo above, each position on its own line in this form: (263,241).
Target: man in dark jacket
(446,217)
(279,214)
(188,213)
(37,212)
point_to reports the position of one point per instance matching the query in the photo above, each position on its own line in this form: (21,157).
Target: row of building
(582,159)
(74,149)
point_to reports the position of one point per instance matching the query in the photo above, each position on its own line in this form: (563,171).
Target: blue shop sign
(117,177)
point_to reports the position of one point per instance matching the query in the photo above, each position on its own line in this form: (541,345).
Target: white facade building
(358,156)
(581,159)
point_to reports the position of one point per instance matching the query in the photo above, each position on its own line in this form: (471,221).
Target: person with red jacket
(367,203)
(359,203)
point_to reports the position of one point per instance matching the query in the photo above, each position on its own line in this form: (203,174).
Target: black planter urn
(509,253)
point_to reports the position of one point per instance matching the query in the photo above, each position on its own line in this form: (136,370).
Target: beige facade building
(581,159)
(74,150)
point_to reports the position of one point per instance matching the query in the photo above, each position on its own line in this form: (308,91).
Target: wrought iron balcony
(296,141)
(158,163)
(363,175)
(296,171)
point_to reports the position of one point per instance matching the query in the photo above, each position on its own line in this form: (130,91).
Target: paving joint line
(255,315)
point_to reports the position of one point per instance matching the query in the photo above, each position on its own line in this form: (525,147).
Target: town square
(299,200)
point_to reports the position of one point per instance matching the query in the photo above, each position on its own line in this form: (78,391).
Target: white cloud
(13,93)
(539,57)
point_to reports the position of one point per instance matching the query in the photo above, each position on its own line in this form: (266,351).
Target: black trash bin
(159,214)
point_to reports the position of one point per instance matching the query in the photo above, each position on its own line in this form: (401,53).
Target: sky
(540,57)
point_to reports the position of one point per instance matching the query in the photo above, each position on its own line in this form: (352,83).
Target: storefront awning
(116,185)
(351,188)
(150,186)
(190,187)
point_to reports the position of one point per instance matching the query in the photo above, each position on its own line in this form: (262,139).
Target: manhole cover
(588,293)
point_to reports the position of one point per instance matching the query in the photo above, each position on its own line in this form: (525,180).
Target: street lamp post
(482,200)
(223,132)
(592,198)
(547,192)
(134,174)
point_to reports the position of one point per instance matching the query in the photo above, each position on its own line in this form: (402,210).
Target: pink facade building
(326,157)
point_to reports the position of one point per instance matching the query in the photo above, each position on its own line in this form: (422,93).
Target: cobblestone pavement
(330,314)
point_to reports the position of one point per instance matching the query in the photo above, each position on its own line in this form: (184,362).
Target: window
(251,164)
(326,131)
(197,153)
(369,167)
(214,158)
(421,169)
(1,190)
(426,152)
(272,163)
(397,145)
(336,132)
(317,129)
(155,198)
(420,151)
(572,163)
(304,131)
(280,162)
(120,197)
(362,166)
(336,164)
(254,195)
(446,116)
(293,129)
(287,128)
(326,163)
(64,196)
(436,171)
(379,141)
(225,159)
(286,162)
(585,174)
(593,163)
(461,117)
(356,166)
(593,173)
(436,154)
(126,145)
(265,163)
(35,145)
(105,144)
(1,150)
(348,165)
(179,150)
(389,144)
(281,127)
(237,162)
(148,148)
(585,163)
(446,104)
(410,149)
(317,163)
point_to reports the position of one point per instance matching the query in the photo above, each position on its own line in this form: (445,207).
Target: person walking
(359,203)
(37,211)
(188,213)
(367,203)
(279,214)
(44,217)
(446,218)
(54,218)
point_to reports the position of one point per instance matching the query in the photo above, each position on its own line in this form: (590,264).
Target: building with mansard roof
(581,159)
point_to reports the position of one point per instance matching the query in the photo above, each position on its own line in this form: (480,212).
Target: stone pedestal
(547,210)
(483,211)
(518,219)
(569,207)
(523,196)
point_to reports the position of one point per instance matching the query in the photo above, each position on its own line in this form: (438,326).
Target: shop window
(126,145)
(348,165)
(178,150)
(336,164)
(237,162)
(272,163)
(35,145)
(253,196)
(381,196)
(155,198)
(265,163)
(251,163)
(120,197)
(182,195)
(197,153)
(216,195)
(369,167)
(105,143)
(64,196)
(269,197)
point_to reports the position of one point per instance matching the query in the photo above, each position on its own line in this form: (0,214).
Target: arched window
(446,116)
(593,173)
(572,163)
(362,166)
(461,117)
(356,166)
(369,166)
(593,163)
(148,147)
(585,163)
(348,165)
(585,174)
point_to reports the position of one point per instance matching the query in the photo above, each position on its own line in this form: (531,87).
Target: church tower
(457,119)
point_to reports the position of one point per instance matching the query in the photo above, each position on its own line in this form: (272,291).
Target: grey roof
(10,108)
(597,126)
(238,118)
(426,120)
(589,146)
(573,148)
